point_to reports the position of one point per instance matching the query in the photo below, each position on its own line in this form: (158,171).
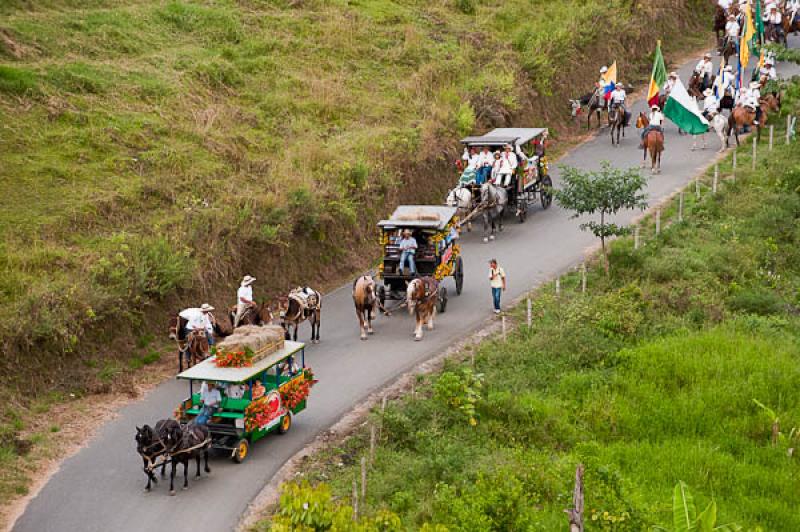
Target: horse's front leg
(205,458)
(197,461)
(361,327)
(186,474)
(485,227)
(164,467)
(430,319)
(369,321)
(172,478)
(418,329)
(148,473)
(318,320)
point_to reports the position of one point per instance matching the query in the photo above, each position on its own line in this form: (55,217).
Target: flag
(609,80)
(658,77)
(718,81)
(747,36)
(758,38)
(682,110)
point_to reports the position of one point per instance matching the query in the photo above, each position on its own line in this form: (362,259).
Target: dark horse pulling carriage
(530,182)
(438,254)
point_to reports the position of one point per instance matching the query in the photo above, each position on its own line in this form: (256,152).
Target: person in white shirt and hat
(726,80)
(504,168)
(793,8)
(656,122)
(199,319)
(710,104)
(244,299)
(731,32)
(618,97)
(601,83)
(485,163)
(705,67)
(768,70)
(775,21)
(671,80)
(752,99)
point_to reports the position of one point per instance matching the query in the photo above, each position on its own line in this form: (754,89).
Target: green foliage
(466,6)
(461,392)
(685,518)
(18,81)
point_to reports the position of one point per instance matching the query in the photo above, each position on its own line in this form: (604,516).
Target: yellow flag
(611,75)
(749,31)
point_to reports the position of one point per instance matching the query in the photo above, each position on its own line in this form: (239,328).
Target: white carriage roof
(207,370)
(505,135)
(420,216)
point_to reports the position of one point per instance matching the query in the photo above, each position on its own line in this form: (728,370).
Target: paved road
(100,488)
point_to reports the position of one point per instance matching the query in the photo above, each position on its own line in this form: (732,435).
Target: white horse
(461,198)
(494,199)
(717,123)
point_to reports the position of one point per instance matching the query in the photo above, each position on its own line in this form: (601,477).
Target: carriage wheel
(286,423)
(546,192)
(458,275)
(242,450)
(442,299)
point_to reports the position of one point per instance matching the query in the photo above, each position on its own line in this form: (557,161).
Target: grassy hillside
(153,151)
(648,379)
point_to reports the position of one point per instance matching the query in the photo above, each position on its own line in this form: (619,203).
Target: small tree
(604,192)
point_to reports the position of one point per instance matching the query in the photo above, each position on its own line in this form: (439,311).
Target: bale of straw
(261,340)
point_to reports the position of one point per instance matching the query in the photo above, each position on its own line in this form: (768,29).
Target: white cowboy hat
(603,70)
(205,307)
(673,74)
(728,68)
(619,85)
(247,280)
(708,92)
(655,107)
(754,84)
(707,54)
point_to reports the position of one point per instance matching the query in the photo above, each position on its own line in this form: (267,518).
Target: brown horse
(366,302)
(719,24)
(422,295)
(259,314)
(197,348)
(789,26)
(744,117)
(616,119)
(177,332)
(300,305)
(653,143)
(728,50)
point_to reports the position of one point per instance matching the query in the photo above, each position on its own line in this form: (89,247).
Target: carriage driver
(244,299)
(408,249)
(210,398)
(198,319)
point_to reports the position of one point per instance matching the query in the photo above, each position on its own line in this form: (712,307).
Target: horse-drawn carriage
(259,397)
(530,181)
(438,254)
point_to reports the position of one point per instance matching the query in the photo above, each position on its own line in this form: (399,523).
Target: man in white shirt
(408,251)
(505,166)
(775,21)
(601,83)
(671,80)
(731,32)
(656,120)
(210,399)
(752,99)
(726,81)
(618,96)
(706,69)
(470,158)
(485,162)
(198,319)
(710,104)
(768,71)
(497,281)
(244,299)
(793,7)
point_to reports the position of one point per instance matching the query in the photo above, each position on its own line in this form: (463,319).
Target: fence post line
(355,500)
(363,478)
(680,207)
(503,320)
(754,154)
(658,221)
(583,278)
(771,132)
(529,313)
(714,185)
(558,285)
(734,160)
(636,237)
(372,434)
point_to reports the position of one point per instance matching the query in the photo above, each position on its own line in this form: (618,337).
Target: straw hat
(603,70)
(247,281)
(708,92)
(205,307)
(673,74)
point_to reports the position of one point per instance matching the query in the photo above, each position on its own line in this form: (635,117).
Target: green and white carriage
(256,400)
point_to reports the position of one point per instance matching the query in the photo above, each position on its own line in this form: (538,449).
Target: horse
(259,314)
(153,443)
(494,200)
(728,50)
(422,294)
(696,85)
(742,116)
(616,119)
(773,34)
(197,349)
(461,198)
(790,25)
(192,440)
(595,103)
(301,304)
(717,123)
(366,302)
(720,19)
(653,143)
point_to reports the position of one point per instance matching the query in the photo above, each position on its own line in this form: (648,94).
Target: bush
(756,301)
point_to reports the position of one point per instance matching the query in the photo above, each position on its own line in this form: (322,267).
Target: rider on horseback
(244,299)
(775,21)
(751,99)
(706,69)
(731,33)
(618,100)
(768,70)
(198,319)
(710,104)
(656,120)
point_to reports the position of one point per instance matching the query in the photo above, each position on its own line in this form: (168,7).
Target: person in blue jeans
(408,250)
(211,398)
(497,280)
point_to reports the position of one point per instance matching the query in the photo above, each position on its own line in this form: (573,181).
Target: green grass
(648,379)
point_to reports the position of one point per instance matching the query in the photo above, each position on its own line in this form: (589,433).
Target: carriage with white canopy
(529,183)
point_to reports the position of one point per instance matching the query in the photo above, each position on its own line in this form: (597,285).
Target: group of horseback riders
(775,14)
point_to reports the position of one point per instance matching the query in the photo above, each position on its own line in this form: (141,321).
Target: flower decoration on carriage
(445,269)
(179,412)
(262,411)
(233,359)
(297,390)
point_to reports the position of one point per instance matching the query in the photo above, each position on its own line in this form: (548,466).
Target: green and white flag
(682,110)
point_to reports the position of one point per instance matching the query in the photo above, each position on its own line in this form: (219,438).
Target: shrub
(756,301)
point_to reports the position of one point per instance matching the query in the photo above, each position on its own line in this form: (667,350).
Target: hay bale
(418,216)
(261,340)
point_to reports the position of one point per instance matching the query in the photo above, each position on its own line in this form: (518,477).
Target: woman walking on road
(497,280)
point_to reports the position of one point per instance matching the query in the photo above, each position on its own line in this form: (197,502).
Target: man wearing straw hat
(408,250)
(710,104)
(198,319)
(244,299)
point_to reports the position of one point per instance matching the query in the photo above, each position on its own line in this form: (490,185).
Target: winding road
(101,487)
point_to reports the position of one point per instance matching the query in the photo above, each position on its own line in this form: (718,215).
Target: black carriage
(531,181)
(438,254)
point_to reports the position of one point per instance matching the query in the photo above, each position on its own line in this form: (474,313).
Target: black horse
(154,443)
(192,441)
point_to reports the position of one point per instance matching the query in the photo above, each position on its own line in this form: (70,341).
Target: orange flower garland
(234,359)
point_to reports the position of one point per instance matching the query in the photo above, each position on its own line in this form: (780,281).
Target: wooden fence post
(680,207)
(529,313)
(788,128)
(372,433)
(355,500)
(363,478)
(583,278)
(754,154)
(636,237)
(558,285)
(714,185)
(575,514)
(503,320)
(658,221)
(771,132)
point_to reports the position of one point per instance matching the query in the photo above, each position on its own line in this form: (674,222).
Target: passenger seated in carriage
(408,250)
(504,166)
(470,159)
(211,399)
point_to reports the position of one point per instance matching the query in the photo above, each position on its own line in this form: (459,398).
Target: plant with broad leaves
(685,518)
(604,192)
(460,391)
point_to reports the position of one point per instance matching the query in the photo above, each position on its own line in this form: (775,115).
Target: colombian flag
(609,80)
(658,77)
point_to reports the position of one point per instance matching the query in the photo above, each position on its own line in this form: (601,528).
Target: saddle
(306,296)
